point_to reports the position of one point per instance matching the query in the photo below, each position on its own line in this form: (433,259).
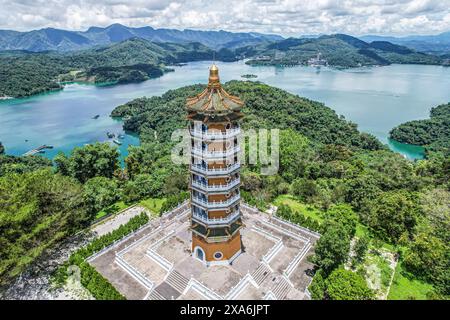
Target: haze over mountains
(63,40)
(437,44)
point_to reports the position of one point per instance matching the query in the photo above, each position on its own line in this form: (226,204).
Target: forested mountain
(437,44)
(339,50)
(62,40)
(26,73)
(433,133)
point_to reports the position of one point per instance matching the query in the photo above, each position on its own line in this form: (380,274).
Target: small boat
(121,136)
(110,135)
(117,142)
(41,151)
(96,117)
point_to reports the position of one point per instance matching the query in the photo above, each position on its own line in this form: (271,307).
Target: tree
(294,154)
(360,191)
(332,248)
(99,193)
(344,214)
(361,246)
(93,160)
(37,210)
(141,187)
(12,164)
(251,181)
(429,258)
(393,214)
(318,286)
(2,148)
(304,188)
(435,204)
(346,285)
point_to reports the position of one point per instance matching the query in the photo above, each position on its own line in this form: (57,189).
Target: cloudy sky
(286,17)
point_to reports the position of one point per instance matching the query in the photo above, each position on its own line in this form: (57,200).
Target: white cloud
(287,17)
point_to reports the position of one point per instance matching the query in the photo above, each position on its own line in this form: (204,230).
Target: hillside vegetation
(433,133)
(339,50)
(265,107)
(24,73)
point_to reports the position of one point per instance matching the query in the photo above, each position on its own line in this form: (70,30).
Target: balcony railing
(215,134)
(214,154)
(216,187)
(216,204)
(206,170)
(224,220)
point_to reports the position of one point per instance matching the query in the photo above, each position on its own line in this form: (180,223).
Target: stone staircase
(261,273)
(177,281)
(281,289)
(155,295)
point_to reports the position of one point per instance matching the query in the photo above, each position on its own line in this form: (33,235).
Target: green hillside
(339,50)
(266,107)
(25,73)
(433,133)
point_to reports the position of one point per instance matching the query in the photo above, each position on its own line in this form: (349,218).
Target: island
(432,133)
(249,76)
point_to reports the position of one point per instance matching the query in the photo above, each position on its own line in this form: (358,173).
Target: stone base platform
(155,263)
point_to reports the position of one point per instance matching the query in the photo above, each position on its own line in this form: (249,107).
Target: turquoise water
(377,99)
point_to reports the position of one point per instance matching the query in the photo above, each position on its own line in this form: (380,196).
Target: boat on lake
(110,135)
(117,142)
(96,117)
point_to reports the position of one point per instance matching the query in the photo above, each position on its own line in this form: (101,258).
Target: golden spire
(214,80)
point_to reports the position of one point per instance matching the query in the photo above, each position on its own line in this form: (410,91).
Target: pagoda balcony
(216,204)
(215,171)
(216,221)
(215,154)
(216,187)
(215,134)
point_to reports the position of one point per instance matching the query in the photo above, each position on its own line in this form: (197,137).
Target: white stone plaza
(155,262)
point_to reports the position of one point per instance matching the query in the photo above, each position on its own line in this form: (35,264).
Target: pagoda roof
(214,100)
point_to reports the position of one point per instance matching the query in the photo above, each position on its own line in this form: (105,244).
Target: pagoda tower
(216,220)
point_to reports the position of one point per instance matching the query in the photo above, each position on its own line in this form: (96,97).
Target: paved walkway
(117,220)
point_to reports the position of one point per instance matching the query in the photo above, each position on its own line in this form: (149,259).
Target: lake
(377,99)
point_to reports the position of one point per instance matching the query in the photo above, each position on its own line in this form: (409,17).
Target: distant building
(214,126)
(318,61)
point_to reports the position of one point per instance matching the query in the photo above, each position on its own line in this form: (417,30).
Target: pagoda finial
(214,80)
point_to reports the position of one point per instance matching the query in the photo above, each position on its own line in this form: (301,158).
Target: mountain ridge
(64,40)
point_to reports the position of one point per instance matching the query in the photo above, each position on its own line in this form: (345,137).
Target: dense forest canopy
(433,133)
(265,107)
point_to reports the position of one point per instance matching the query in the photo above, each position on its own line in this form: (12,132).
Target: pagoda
(214,128)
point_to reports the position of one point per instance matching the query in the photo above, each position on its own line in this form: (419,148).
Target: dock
(37,150)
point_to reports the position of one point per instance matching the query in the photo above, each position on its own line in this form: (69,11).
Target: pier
(37,150)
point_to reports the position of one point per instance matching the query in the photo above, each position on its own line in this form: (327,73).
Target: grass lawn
(116,207)
(304,209)
(406,287)
(152,204)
